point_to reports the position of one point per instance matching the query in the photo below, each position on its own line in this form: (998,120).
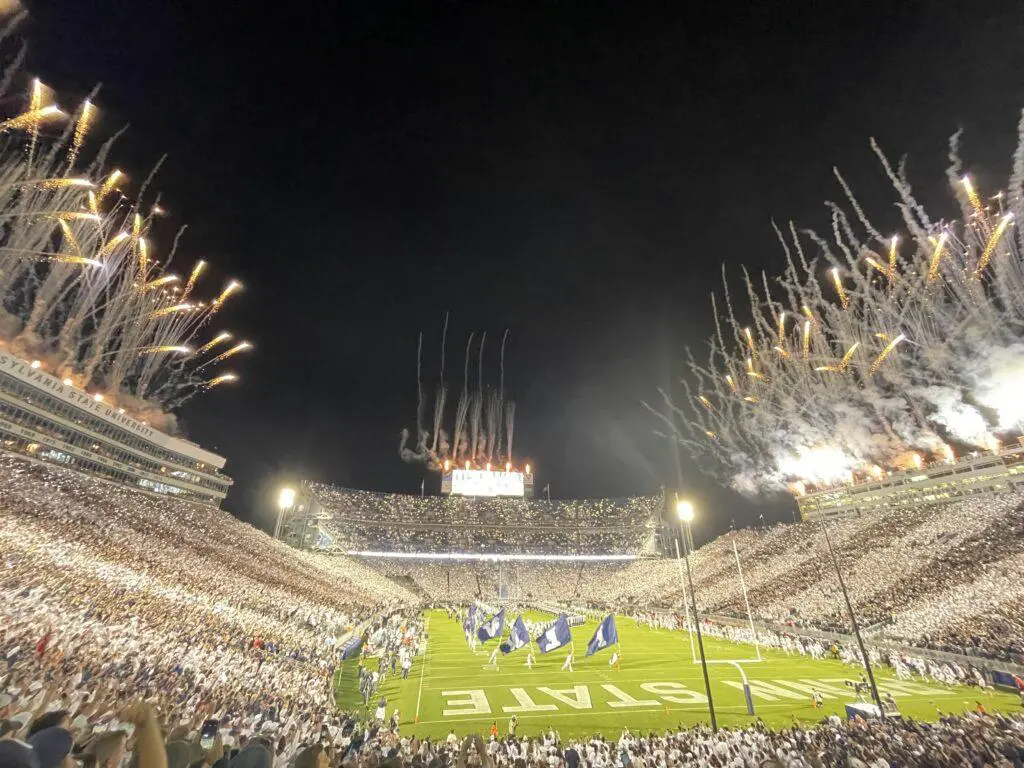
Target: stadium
(143,624)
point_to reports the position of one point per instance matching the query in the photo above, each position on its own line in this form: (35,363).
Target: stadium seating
(388,522)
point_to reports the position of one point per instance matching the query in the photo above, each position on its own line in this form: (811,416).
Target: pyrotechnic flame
(892,260)
(231,287)
(160,281)
(730,382)
(240,347)
(110,183)
(180,349)
(990,246)
(843,298)
(60,183)
(163,312)
(222,336)
(31,118)
(112,243)
(973,197)
(875,265)
(885,353)
(782,327)
(807,339)
(81,128)
(936,260)
(224,378)
(750,340)
(197,270)
(706,403)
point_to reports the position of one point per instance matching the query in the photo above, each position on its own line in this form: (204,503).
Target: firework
(911,347)
(483,424)
(83,288)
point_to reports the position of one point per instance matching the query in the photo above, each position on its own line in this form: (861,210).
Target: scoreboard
(481,482)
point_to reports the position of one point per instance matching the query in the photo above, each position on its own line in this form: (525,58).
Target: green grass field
(657,686)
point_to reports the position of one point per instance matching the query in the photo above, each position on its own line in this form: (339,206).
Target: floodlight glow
(685,511)
(286,498)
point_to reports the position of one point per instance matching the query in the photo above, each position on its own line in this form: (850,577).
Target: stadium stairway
(408,582)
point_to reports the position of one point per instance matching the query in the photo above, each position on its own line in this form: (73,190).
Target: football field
(656,686)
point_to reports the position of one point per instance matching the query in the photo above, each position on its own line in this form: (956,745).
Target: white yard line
(423,669)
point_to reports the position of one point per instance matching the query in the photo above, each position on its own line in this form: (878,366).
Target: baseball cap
(17,754)
(51,746)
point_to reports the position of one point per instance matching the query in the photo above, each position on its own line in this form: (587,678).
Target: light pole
(285,502)
(853,621)
(685,511)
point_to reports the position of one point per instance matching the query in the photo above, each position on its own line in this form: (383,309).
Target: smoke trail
(910,346)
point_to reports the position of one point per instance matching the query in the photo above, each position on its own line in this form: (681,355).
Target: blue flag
(519,636)
(605,635)
(557,636)
(493,627)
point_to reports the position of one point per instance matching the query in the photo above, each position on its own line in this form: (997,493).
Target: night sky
(575,172)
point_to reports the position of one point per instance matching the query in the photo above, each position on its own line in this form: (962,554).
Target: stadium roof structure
(969,476)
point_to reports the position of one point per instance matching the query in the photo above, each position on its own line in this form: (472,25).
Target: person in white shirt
(614,660)
(494,657)
(567,664)
(529,659)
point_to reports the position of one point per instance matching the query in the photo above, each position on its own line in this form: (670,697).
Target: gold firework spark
(63,183)
(990,246)
(160,281)
(224,378)
(892,259)
(933,265)
(843,298)
(973,197)
(81,128)
(807,339)
(885,353)
(110,183)
(240,347)
(112,243)
(731,383)
(873,263)
(170,310)
(782,327)
(197,270)
(222,336)
(706,403)
(30,119)
(231,287)
(166,348)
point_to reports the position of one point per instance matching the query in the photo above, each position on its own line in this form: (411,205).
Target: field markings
(590,713)
(423,668)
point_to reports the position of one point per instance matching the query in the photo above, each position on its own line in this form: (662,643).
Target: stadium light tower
(285,502)
(853,620)
(686,513)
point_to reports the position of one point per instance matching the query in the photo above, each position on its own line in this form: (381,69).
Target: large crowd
(391,522)
(128,620)
(945,576)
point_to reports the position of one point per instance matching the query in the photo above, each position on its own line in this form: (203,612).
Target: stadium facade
(51,420)
(973,476)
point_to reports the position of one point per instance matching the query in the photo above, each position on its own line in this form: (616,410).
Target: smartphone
(208,735)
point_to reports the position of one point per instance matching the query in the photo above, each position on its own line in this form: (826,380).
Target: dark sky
(573,171)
